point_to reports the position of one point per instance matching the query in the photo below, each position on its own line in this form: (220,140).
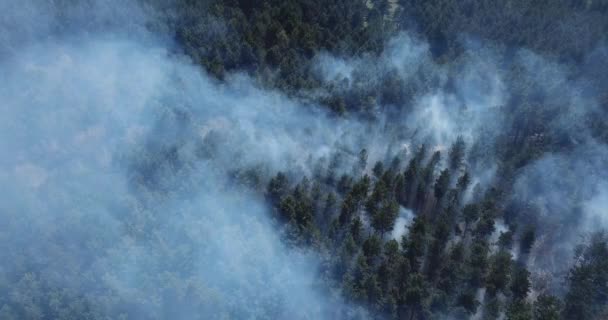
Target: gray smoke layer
(562,192)
(116,201)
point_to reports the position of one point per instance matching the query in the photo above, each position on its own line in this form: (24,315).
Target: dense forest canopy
(335,159)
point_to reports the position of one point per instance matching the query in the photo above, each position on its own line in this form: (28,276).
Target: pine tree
(520,282)
(547,307)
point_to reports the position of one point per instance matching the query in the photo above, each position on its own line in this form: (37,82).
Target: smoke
(425,102)
(404,54)
(117,200)
(434,106)
(403,221)
(123,163)
(560,191)
(499,100)
(563,195)
(495,98)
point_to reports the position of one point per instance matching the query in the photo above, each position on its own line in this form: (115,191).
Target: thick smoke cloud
(551,195)
(436,109)
(115,201)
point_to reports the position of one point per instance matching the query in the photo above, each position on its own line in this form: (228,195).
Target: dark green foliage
(345,183)
(378,169)
(349,247)
(456,154)
(470,214)
(353,199)
(391,270)
(361,188)
(499,272)
(520,282)
(505,240)
(492,308)
(547,307)
(442,184)
(380,192)
(435,253)
(401,192)
(478,263)
(588,280)
(356,229)
(277,187)
(485,225)
(330,203)
(349,206)
(452,272)
(414,244)
(287,208)
(519,310)
(224,36)
(468,301)
(372,247)
(429,171)
(362,163)
(384,219)
(527,239)
(415,294)
(514,23)
(463,182)
(410,179)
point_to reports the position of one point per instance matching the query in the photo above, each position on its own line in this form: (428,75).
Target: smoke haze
(124,166)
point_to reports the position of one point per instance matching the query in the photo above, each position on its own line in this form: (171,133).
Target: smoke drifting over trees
(300,159)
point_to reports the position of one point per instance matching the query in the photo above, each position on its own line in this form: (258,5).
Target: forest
(304,159)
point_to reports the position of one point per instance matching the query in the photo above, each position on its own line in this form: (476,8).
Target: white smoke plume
(107,203)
